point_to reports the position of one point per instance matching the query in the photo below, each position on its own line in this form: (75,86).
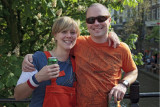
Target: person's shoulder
(38,53)
(123,46)
(83,38)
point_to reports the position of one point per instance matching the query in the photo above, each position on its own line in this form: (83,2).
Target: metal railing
(133,95)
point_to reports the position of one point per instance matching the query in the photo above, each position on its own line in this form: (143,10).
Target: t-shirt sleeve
(25,76)
(128,62)
(39,60)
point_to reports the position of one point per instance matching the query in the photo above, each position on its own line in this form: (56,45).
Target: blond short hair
(65,23)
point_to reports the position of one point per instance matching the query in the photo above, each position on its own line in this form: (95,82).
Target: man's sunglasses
(100,19)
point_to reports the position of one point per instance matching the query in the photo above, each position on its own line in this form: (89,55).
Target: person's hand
(118,92)
(48,72)
(113,39)
(27,65)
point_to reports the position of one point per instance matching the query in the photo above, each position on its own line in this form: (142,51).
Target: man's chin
(98,35)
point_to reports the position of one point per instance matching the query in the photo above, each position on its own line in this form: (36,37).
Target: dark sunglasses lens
(90,20)
(102,18)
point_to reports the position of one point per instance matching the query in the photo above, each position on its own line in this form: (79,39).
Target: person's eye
(73,33)
(64,32)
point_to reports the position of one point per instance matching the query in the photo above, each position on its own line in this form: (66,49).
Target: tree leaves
(131,3)
(131,41)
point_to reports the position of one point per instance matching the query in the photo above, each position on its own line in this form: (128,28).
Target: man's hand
(113,39)
(118,92)
(27,65)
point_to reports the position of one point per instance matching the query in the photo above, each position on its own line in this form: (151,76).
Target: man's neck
(101,39)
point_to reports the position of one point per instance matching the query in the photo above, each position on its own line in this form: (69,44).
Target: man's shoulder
(83,38)
(123,46)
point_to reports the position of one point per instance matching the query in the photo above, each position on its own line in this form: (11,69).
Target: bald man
(98,66)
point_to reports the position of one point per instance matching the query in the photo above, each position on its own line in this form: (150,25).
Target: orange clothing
(58,95)
(98,69)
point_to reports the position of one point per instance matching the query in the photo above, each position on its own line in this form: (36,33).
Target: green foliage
(135,23)
(138,59)
(9,74)
(26,27)
(130,41)
(152,40)
(154,34)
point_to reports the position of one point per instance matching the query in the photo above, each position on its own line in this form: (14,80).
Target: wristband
(32,82)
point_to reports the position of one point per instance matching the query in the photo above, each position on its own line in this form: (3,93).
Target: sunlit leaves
(74,0)
(131,41)
(62,3)
(138,59)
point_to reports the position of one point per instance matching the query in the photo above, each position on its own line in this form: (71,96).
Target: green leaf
(27,11)
(62,3)
(1,71)
(75,0)
(53,12)
(10,81)
(13,58)
(44,4)
(14,4)
(1,85)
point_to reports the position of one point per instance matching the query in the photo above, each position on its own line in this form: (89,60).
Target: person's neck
(101,39)
(61,54)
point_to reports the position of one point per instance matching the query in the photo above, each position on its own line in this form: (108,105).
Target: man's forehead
(96,11)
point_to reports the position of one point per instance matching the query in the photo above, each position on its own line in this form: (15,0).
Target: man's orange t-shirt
(98,69)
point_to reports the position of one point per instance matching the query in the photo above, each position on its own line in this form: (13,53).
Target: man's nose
(96,22)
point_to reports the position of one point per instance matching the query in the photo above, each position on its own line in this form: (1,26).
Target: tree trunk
(141,33)
(11,23)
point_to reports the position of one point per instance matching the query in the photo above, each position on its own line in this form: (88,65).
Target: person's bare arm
(119,90)
(23,90)
(27,65)
(113,39)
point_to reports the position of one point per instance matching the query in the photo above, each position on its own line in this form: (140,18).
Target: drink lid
(52,59)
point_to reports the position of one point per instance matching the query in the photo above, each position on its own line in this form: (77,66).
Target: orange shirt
(98,69)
